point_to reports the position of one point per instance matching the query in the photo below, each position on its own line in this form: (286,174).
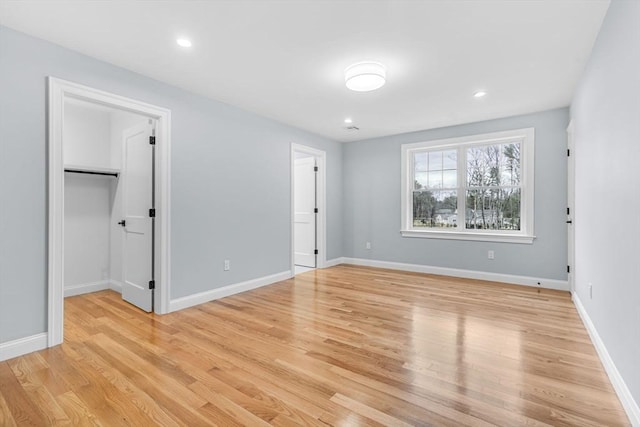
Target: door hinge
(315,210)
(152,213)
(152,284)
(568,152)
(568,269)
(568,211)
(315,251)
(315,169)
(152,140)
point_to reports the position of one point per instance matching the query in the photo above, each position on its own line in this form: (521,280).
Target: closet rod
(92,172)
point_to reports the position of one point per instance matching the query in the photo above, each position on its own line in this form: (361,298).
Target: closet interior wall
(93,141)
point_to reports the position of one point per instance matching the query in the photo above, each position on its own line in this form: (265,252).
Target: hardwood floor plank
(6,418)
(77,411)
(129,389)
(343,417)
(343,346)
(22,409)
(175,399)
(242,412)
(407,406)
(26,374)
(104,400)
(367,411)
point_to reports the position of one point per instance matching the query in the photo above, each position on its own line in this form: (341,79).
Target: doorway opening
(108,176)
(108,199)
(308,216)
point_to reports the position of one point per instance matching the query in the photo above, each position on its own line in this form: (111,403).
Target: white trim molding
(560,285)
(624,394)
(15,348)
(321,202)
(58,92)
(225,291)
(525,235)
(115,286)
(85,288)
(479,237)
(333,262)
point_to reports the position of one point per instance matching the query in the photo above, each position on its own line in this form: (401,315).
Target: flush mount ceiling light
(480,94)
(348,120)
(365,76)
(182,42)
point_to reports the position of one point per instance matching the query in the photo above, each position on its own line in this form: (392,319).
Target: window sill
(458,235)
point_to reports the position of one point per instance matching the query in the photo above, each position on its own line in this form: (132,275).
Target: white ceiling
(285,59)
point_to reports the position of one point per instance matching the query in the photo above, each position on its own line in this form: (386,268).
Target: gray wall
(372,203)
(606,115)
(230,181)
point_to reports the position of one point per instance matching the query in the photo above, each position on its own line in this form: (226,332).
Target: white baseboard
(86,288)
(116,286)
(15,348)
(225,291)
(561,285)
(333,262)
(624,394)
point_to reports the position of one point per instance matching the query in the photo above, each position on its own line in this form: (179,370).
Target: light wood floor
(342,346)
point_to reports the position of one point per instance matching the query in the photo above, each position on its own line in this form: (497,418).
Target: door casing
(321,236)
(58,91)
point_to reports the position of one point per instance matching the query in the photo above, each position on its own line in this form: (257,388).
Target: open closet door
(304,202)
(138,202)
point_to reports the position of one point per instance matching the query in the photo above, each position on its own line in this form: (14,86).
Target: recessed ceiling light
(365,76)
(183,42)
(480,94)
(348,120)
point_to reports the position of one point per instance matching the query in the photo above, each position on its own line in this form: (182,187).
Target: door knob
(122,223)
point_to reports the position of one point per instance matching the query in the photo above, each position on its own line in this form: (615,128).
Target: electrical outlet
(590,291)
(367,245)
(227,265)
(491,255)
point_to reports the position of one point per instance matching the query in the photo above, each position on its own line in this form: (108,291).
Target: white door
(137,182)
(304,217)
(571,166)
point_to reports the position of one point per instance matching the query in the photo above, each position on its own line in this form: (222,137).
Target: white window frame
(524,235)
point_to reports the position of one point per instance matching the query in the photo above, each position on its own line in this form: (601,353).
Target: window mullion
(462,174)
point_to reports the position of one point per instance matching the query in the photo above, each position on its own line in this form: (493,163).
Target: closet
(108,196)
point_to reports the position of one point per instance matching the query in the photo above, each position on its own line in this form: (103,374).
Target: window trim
(525,235)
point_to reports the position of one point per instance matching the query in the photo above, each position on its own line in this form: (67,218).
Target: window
(471,188)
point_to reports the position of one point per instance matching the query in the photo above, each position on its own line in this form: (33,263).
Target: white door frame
(571,205)
(58,91)
(321,237)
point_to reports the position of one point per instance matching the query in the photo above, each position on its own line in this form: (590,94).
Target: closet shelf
(92,170)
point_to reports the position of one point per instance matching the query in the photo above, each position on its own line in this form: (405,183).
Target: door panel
(304,203)
(571,207)
(137,181)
